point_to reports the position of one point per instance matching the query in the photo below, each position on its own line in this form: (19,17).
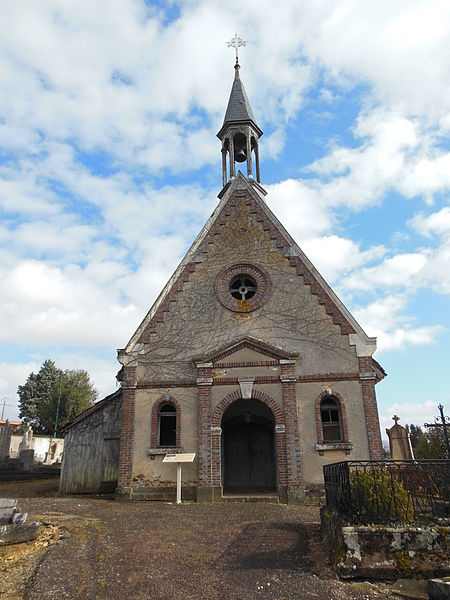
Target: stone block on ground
(16,533)
(7,515)
(19,517)
(439,589)
(414,589)
(8,503)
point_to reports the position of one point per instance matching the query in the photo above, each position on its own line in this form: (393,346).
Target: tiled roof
(239,108)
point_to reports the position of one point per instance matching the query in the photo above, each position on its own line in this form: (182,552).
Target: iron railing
(389,491)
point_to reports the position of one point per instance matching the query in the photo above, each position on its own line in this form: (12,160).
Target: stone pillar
(367,378)
(258,172)
(288,381)
(127,432)
(5,440)
(224,165)
(204,383)
(26,455)
(27,437)
(232,168)
(249,156)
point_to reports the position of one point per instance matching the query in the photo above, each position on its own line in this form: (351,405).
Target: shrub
(379,495)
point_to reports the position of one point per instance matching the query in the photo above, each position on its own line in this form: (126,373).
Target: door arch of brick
(280,435)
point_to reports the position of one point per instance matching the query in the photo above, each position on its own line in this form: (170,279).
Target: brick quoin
(204,383)
(367,377)
(127,427)
(288,381)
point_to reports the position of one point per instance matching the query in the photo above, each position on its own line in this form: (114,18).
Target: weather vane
(236,43)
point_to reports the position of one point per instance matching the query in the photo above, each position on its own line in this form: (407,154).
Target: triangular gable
(260,348)
(334,307)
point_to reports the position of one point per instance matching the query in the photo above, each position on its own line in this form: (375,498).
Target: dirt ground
(91,547)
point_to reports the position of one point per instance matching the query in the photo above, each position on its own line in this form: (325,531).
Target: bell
(240,155)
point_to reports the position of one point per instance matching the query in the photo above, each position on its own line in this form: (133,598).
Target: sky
(110,166)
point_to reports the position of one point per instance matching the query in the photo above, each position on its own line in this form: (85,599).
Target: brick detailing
(323,298)
(280,437)
(235,380)
(314,378)
(281,243)
(155,411)
(342,412)
(167,383)
(368,379)
(328,377)
(254,363)
(127,427)
(288,381)
(204,383)
(226,275)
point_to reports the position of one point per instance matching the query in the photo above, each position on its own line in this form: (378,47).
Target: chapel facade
(247,358)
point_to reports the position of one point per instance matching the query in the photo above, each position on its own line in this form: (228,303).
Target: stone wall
(387,552)
(40,445)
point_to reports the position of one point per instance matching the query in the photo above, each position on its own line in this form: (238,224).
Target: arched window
(167,425)
(330,416)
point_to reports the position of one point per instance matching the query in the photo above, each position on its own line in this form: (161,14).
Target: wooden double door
(249,457)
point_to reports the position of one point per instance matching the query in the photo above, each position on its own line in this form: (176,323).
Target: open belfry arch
(247,358)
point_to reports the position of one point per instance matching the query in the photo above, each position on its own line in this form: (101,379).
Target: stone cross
(236,42)
(396,419)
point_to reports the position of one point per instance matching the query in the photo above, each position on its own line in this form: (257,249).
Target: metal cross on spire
(236,42)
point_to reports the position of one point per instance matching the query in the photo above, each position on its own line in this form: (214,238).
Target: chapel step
(267,498)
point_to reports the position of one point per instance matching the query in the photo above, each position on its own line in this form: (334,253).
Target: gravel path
(107,550)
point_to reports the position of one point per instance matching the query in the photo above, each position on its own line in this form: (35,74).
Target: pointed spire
(239,133)
(238,108)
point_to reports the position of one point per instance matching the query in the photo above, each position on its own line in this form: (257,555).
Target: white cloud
(337,257)
(409,413)
(385,319)
(436,223)
(300,208)
(399,271)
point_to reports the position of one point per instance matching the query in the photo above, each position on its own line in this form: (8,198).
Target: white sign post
(179,459)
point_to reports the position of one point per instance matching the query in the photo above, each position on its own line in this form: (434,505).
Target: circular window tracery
(242,287)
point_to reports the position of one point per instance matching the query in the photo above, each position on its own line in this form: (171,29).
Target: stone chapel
(247,358)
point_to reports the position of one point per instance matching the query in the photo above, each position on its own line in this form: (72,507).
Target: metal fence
(389,491)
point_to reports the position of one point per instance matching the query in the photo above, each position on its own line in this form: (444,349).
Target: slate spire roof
(238,108)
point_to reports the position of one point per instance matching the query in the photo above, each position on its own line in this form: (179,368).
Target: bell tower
(239,133)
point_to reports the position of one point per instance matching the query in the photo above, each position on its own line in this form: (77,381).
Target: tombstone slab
(16,533)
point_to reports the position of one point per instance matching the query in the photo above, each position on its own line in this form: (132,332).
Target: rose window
(242,287)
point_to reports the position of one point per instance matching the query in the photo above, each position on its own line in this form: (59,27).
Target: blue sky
(110,165)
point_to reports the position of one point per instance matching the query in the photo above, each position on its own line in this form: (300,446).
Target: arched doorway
(248,450)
